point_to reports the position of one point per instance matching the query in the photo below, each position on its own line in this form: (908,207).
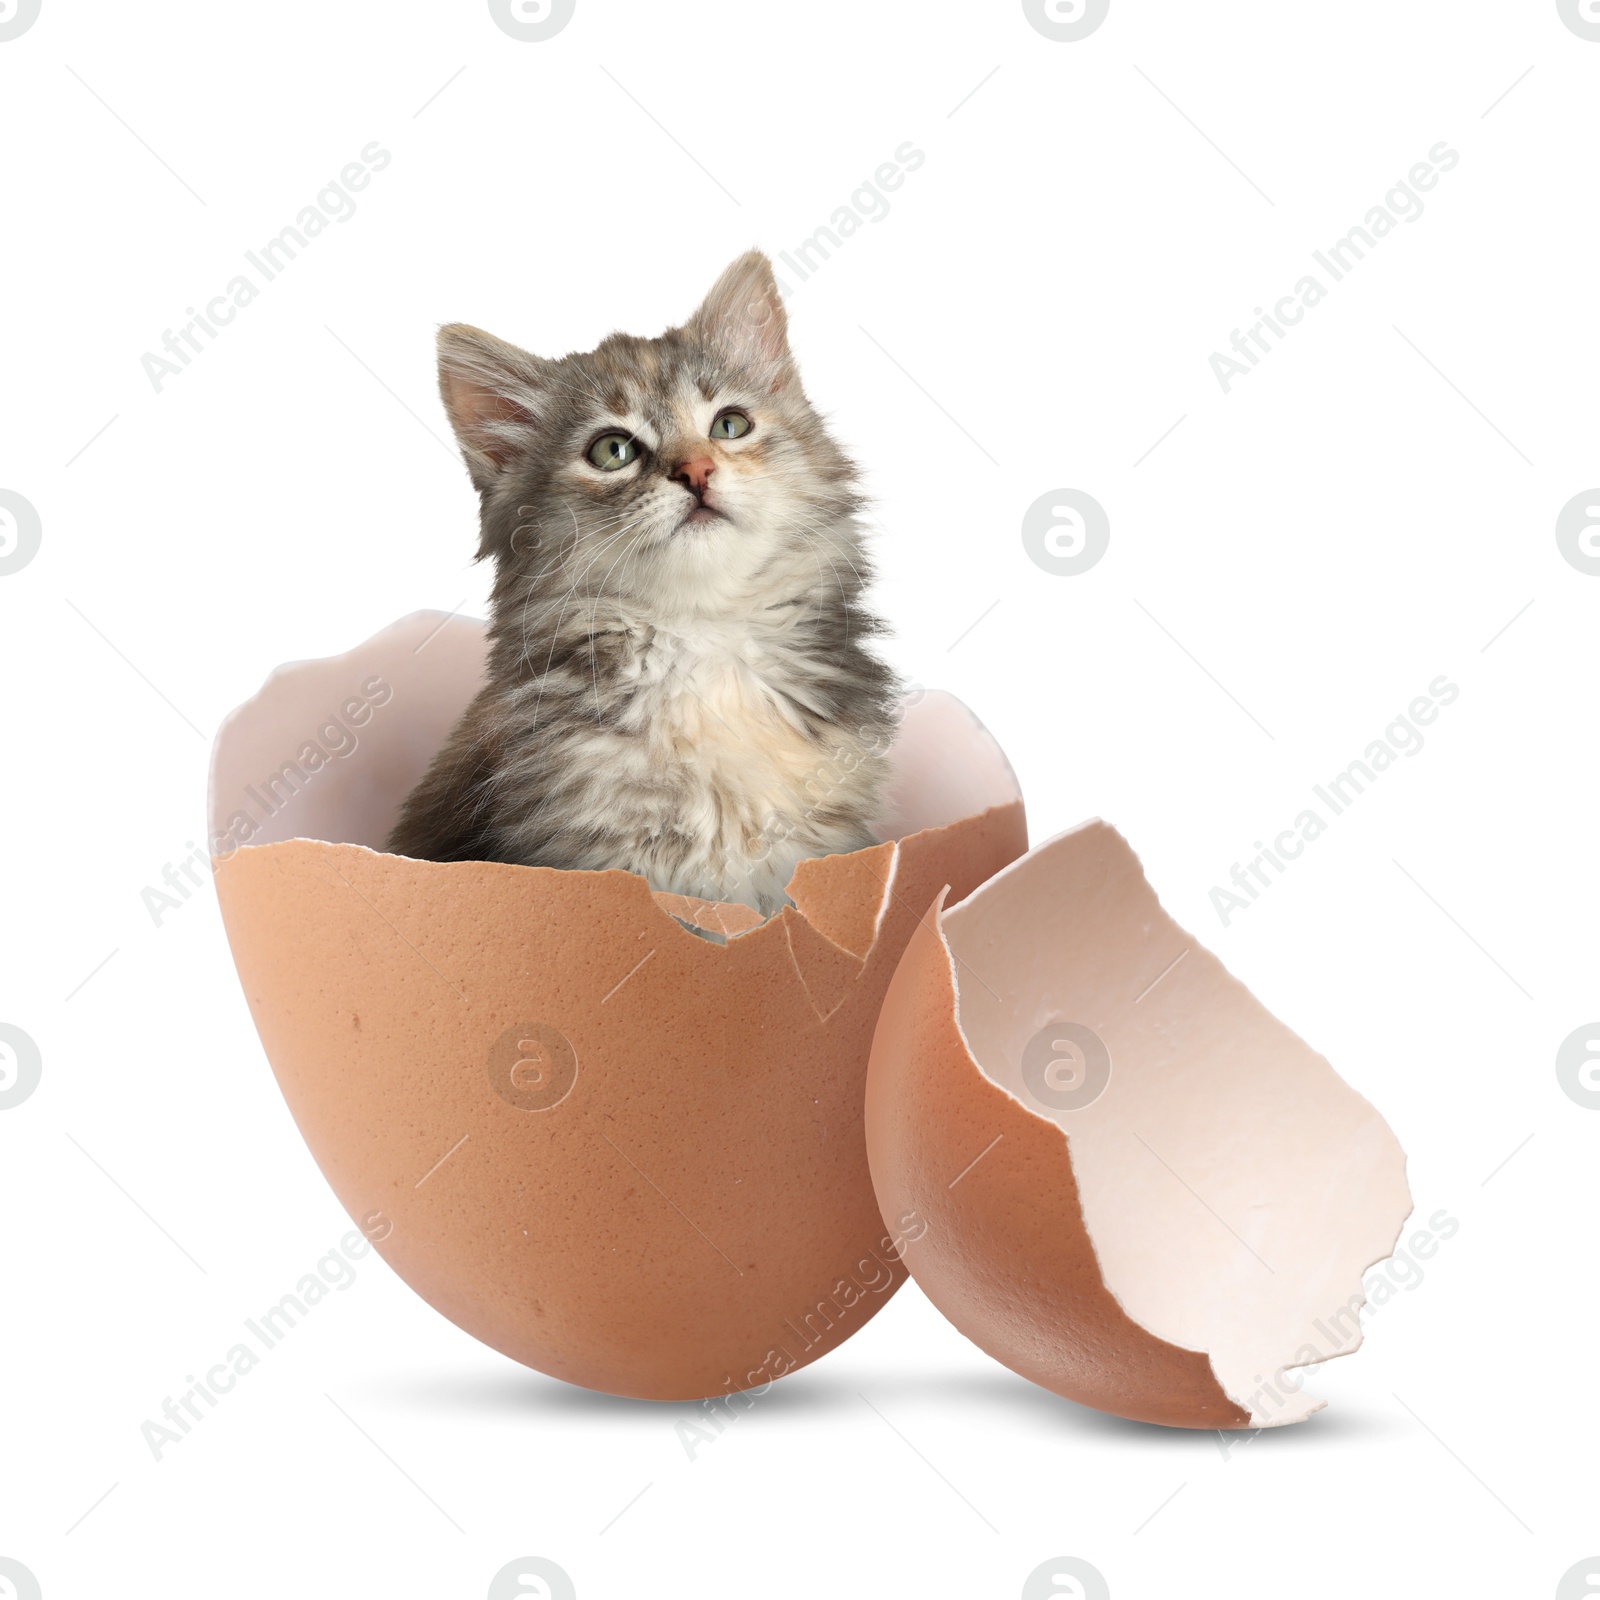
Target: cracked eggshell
(624,1154)
(1140,1189)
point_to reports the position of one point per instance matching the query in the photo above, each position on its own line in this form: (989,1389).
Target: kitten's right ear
(491,392)
(743,316)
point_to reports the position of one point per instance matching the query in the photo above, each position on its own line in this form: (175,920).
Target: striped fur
(694,701)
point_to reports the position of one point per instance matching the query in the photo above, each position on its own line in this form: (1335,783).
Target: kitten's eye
(731,425)
(612,451)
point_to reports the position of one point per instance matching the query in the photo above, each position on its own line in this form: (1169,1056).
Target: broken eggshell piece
(622,1153)
(1141,1190)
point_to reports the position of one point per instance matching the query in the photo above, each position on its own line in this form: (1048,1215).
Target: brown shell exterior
(1005,1254)
(696,1215)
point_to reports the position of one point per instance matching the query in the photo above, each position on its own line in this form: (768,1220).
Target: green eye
(730,425)
(612,451)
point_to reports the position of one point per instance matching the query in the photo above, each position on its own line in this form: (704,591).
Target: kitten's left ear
(743,317)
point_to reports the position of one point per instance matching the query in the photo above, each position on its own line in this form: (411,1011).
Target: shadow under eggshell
(623,1154)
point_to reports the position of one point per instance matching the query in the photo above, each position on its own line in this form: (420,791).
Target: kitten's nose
(695,475)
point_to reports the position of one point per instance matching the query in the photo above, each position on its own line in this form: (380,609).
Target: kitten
(678,679)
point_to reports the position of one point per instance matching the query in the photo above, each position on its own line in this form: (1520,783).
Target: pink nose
(696,474)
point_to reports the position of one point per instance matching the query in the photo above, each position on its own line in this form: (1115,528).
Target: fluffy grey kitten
(678,681)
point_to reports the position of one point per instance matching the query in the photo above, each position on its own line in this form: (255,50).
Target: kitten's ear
(743,317)
(491,393)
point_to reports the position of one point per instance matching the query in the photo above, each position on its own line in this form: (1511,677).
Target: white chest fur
(729,785)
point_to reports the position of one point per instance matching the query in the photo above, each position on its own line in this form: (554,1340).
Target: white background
(1369,509)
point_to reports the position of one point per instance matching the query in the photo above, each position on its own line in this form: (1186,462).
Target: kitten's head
(682,469)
